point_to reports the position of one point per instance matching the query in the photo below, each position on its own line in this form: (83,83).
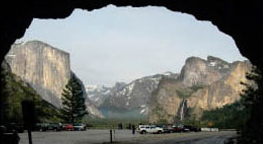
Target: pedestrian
(133,129)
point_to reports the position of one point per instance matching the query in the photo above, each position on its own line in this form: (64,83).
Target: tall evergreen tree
(73,101)
(252,99)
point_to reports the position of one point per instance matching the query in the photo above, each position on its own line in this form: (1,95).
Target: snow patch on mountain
(142,111)
(132,97)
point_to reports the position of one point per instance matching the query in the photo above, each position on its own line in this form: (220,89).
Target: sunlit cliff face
(45,68)
(203,93)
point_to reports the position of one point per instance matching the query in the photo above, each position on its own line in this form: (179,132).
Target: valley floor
(125,137)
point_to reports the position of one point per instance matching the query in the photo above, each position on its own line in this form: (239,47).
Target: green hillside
(14,91)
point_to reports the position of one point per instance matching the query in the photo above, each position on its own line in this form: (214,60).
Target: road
(125,137)
(197,138)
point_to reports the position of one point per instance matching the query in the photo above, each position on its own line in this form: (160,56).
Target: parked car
(54,126)
(191,128)
(79,126)
(41,127)
(3,129)
(13,127)
(149,129)
(178,128)
(167,128)
(68,127)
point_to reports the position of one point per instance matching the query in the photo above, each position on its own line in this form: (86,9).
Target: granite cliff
(201,85)
(45,68)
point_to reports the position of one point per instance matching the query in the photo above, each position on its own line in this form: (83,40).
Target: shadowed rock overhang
(243,20)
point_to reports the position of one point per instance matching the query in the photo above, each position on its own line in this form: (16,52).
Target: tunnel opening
(237,38)
(138,43)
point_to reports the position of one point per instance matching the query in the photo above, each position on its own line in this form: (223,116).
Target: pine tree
(252,99)
(73,101)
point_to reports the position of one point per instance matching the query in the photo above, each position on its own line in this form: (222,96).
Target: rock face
(201,85)
(224,91)
(197,71)
(45,68)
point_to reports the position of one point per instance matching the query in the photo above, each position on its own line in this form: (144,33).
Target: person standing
(133,129)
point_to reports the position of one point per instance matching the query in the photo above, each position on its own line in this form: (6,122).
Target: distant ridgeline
(169,97)
(46,69)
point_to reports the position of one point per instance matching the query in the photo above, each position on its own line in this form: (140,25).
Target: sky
(121,44)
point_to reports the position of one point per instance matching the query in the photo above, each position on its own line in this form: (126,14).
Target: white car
(79,126)
(149,129)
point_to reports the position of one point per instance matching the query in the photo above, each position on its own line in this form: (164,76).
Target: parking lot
(122,136)
(75,137)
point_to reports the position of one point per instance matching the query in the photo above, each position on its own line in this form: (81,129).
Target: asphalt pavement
(125,137)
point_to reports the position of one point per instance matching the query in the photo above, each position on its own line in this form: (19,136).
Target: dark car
(14,127)
(167,128)
(3,129)
(54,126)
(41,127)
(191,128)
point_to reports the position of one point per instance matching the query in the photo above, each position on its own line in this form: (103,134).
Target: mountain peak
(168,73)
(217,62)
(213,58)
(197,71)
(193,59)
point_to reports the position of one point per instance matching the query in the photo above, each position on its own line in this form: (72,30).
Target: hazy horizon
(121,44)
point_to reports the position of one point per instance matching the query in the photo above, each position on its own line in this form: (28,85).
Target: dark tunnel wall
(240,19)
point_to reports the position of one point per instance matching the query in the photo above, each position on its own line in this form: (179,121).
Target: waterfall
(182,109)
